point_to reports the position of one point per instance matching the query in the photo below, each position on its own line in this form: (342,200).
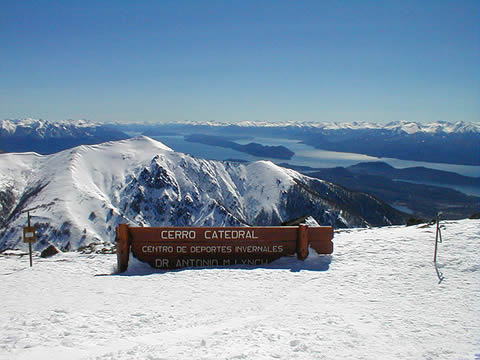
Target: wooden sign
(178,247)
(29,235)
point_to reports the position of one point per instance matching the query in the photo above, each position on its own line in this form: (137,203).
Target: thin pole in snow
(29,233)
(438,239)
(29,244)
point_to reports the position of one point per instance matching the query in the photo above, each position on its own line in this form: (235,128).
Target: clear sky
(135,61)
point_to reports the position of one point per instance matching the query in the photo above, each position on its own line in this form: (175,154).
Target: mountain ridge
(409,127)
(46,137)
(399,188)
(417,173)
(82,194)
(440,142)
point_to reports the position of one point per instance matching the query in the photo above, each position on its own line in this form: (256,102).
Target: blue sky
(135,61)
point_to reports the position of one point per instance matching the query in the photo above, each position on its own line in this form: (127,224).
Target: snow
(77,182)
(8,126)
(45,128)
(376,297)
(409,127)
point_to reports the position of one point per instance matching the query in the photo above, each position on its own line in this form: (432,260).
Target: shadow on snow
(313,262)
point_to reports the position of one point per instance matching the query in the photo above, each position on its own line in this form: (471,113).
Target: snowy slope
(69,186)
(378,299)
(82,194)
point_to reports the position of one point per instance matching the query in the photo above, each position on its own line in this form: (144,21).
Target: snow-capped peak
(81,194)
(409,127)
(40,128)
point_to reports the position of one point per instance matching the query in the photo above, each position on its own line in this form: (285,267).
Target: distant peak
(403,126)
(146,139)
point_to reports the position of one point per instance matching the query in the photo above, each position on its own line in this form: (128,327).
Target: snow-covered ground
(380,298)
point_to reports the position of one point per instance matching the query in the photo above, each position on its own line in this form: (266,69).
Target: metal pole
(438,238)
(29,244)
(436,241)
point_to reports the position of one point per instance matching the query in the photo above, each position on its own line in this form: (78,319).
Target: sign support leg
(302,242)
(123,247)
(30,252)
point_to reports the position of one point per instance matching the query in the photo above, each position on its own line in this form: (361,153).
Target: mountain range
(399,187)
(441,142)
(418,173)
(409,127)
(80,195)
(46,137)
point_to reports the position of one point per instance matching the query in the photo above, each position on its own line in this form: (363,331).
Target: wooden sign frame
(29,234)
(179,247)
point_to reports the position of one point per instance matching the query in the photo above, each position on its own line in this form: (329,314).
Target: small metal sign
(29,235)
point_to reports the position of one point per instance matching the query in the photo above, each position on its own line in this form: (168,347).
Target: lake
(304,155)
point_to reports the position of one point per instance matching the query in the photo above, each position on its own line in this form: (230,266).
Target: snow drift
(380,299)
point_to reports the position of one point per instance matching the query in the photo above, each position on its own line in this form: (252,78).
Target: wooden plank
(320,239)
(176,247)
(213,233)
(225,252)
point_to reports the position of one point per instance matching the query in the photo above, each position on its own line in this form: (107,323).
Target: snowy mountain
(45,129)
(408,127)
(80,195)
(47,137)
(443,142)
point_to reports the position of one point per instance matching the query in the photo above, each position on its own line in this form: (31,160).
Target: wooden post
(123,247)
(302,242)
